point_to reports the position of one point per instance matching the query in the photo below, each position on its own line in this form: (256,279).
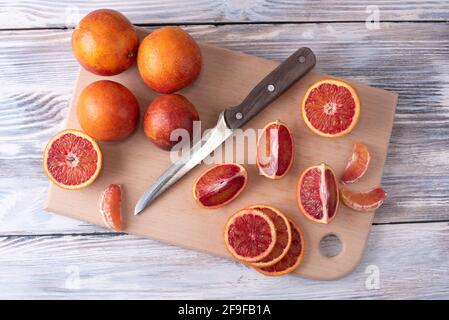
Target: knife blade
(271,87)
(213,139)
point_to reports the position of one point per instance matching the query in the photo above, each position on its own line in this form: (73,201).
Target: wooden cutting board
(226,78)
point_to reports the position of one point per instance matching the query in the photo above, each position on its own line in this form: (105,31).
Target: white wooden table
(43,255)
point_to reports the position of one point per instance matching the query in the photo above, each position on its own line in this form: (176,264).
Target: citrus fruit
(164,115)
(107,110)
(283,236)
(105,42)
(169,60)
(363,201)
(72,159)
(219,185)
(317,193)
(292,259)
(357,165)
(250,235)
(331,108)
(111,207)
(275,150)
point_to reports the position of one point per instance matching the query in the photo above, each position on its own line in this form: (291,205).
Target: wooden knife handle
(271,87)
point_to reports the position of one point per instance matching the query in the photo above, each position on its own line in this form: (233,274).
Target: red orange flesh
(357,165)
(331,108)
(250,235)
(283,236)
(364,201)
(219,185)
(292,259)
(317,193)
(72,159)
(275,150)
(111,207)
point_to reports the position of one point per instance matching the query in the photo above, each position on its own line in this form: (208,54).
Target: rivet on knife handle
(271,87)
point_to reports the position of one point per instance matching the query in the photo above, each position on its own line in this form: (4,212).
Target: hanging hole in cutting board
(330,246)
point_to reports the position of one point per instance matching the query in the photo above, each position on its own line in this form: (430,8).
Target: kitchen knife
(270,88)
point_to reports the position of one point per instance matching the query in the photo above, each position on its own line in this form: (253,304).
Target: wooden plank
(22,202)
(34,13)
(394,267)
(35,90)
(226,78)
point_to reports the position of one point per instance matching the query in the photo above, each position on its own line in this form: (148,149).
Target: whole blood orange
(275,149)
(107,110)
(105,42)
(219,185)
(250,235)
(364,201)
(283,236)
(317,193)
(169,59)
(292,259)
(331,108)
(357,165)
(165,114)
(72,159)
(111,207)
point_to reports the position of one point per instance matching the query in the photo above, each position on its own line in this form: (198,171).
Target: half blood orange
(72,159)
(275,149)
(317,193)
(357,165)
(363,201)
(250,235)
(292,259)
(219,185)
(331,108)
(283,236)
(111,207)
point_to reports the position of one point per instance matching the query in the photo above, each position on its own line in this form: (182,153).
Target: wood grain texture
(37,71)
(129,267)
(40,14)
(35,90)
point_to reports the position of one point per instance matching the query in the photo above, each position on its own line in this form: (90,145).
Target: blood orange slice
(357,165)
(292,259)
(72,159)
(317,193)
(275,149)
(363,201)
(331,108)
(219,185)
(283,236)
(111,207)
(250,235)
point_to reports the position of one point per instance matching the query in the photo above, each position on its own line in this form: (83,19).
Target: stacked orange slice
(264,238)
